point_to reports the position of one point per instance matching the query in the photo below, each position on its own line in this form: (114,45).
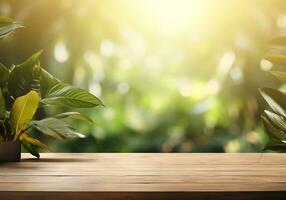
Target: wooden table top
(141,172)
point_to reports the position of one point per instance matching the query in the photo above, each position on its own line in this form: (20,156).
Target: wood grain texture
(145,176)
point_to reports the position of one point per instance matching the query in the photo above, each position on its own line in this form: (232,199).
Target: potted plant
(26,87)
(274,119)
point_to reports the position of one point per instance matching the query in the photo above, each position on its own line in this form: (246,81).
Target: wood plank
(142,196)
(134,176)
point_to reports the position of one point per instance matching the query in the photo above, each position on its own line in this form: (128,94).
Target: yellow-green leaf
(281,76)
(33,141)
(278,41)
(23,111)
(4,21)
(276,58)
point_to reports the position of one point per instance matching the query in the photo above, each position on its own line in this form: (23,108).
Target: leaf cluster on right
(274,119)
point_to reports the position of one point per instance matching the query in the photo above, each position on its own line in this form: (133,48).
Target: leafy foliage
(25,86)
(275,122)
(21,77)
(73,115)
(4,75)
(66,95)
(281,76)
(7,25)
(56,128)
(275,99)
(32,141)
(47,82)
(23,111)
(33,149)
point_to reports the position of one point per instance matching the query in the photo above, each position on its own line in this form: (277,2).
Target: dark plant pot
(10,151)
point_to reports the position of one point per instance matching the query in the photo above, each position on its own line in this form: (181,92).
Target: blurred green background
(175,75)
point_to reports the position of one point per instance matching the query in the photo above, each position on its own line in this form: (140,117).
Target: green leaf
(36,74)
(281,76)
(73,115)
(47,82)
(56,128)
(7,25)
(67,95)
(6,30)
(2,105)
(276,120)
(32,149)
(276,58)
(275,99)
(4,75)
(21,78)
(272,131)
(23,111)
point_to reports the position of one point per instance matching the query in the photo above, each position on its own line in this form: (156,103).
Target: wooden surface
(145,176)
